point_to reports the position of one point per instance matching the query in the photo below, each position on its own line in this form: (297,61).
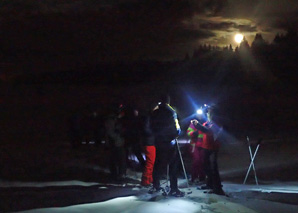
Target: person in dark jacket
(149,149)
(115,143)
(210,145)
(131,133)
(166,129)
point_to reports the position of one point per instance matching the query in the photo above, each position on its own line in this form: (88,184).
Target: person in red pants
(150,151)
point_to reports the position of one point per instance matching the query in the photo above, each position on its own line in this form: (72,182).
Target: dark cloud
(214,7)
(60,33)
(273,14)
(227,26)
(216,25)
(240,8)
(247,28)
(286,21)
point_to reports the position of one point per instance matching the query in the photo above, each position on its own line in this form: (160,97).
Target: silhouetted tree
(291,35)
(244,45)
(258,42)
(230,48)
(277,39)
(259,45)
(237,49)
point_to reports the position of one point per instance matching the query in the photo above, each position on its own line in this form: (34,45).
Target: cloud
(87,31)
(269,15)
(216,26)
(247,28)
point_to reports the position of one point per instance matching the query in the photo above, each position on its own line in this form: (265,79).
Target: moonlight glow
(238,38)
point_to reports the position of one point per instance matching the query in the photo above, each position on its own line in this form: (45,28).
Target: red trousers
(197,170)
(150,153)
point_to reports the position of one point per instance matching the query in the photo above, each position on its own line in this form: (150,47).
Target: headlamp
(199,111)
(203,109)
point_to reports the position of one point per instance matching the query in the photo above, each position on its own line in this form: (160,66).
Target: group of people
(155,135)
(127,134)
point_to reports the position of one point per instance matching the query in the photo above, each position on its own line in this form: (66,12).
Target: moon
(238,38)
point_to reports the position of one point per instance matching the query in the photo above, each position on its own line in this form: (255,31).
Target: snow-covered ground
(132,198)
(79,183)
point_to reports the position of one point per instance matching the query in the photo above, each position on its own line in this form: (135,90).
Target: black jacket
(147,133)
(163,123)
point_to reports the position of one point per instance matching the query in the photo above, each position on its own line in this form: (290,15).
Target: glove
(194,122)
(173,142)
(178,131)
(195,134)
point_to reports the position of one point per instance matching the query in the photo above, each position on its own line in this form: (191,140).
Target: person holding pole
(166,129)
(197,153)
(210,145)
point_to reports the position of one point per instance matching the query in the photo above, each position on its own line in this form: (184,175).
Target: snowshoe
(204,187)
(166,191)
(155,190)
(176,193)
(218,192)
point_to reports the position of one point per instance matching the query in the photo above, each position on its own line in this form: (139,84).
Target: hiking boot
(204,187)
(218,192)
(201,183)
(176,193)
(155,190)
(146,185)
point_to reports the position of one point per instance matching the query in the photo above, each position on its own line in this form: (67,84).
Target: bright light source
(200,111)
(238,38)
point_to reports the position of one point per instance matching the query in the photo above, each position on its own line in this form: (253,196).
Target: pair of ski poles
(252,158)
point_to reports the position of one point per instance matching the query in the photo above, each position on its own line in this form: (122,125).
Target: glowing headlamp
(199,111)
(203,109)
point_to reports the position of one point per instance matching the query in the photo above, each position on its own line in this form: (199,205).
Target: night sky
(53,35)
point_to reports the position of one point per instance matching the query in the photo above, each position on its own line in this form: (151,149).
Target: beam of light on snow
(284,187)
(133,204)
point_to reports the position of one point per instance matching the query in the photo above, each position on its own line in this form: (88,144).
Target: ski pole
(182,163)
